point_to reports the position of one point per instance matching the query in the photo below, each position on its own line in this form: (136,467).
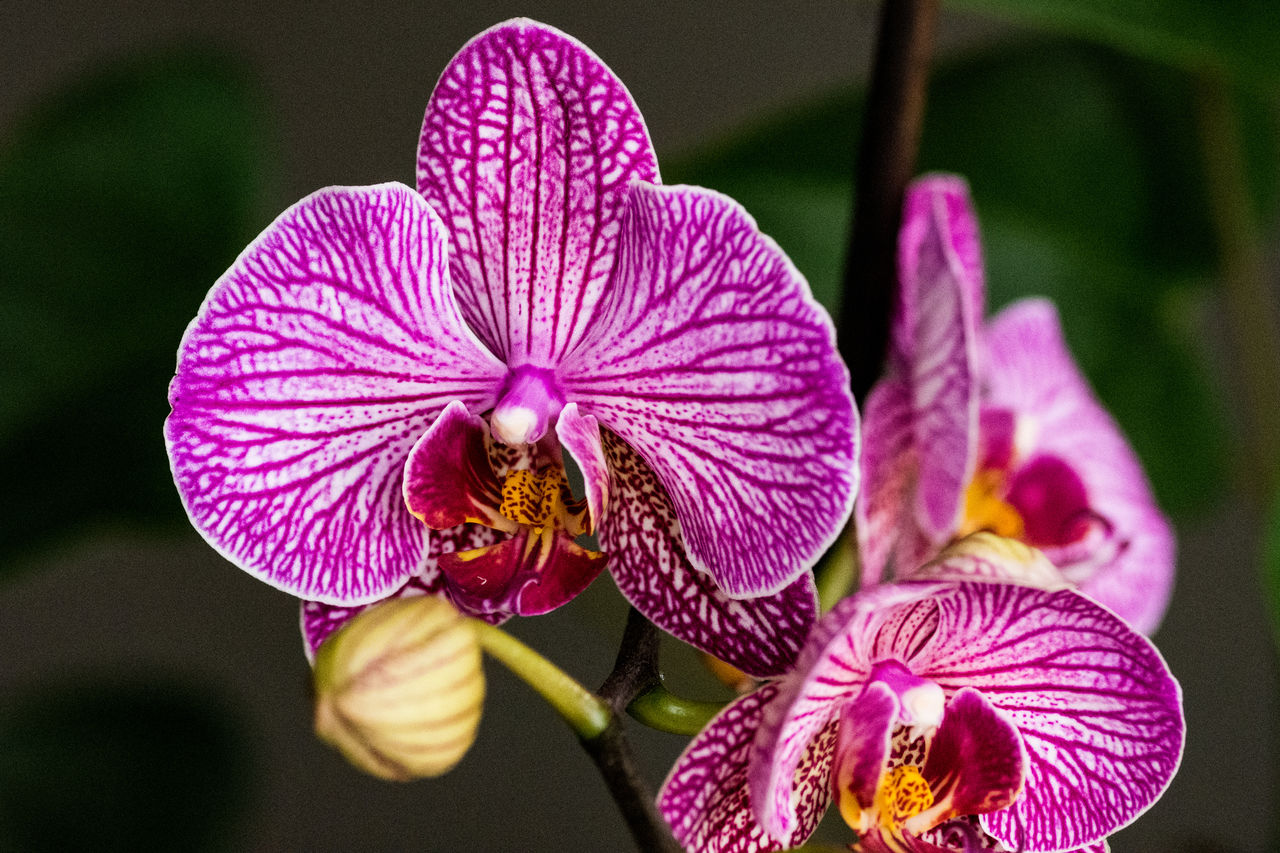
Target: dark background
(153,696)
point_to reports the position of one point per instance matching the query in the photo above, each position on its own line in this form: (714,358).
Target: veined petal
(1099,713)
(832,670)
(448,479)
(862,748)
(1029,370)
(760,636)
(314,364)
(887,530)
(580,436)
(976,761)
(528,144)
(714,362)
(705,797)
(935,343)
(526,575)
(320,620)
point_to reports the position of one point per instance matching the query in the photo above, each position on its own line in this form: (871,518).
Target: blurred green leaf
(103,766)
(123,199)
(1241,37)
(1086,173)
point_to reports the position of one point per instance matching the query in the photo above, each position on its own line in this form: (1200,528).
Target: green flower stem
(838,571)
(580,708)
(659,708)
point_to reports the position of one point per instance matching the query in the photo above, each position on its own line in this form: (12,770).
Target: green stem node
(659,708)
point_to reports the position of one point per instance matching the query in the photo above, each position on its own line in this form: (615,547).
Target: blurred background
(152,696)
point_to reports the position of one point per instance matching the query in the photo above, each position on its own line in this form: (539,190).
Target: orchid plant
(472,396)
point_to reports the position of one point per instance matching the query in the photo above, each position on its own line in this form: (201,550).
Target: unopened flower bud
(399,689)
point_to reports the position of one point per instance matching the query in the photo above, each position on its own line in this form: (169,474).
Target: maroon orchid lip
(940,714)
(992,427)
(543,287)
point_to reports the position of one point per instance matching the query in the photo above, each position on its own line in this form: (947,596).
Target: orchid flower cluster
(389,393)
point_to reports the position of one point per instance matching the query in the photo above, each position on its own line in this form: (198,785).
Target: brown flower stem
(634,671)
(886,161)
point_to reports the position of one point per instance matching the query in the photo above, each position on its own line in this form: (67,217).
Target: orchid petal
(1030,371)
(526,575)
(448,479)
(889,466)
(528,144)
(1098,711)
(580,436)
(833,669)
(935,342)
(760,636)
(976,760)
(862,744)
(314,364)
(715,363)
(319,620)
(705,797)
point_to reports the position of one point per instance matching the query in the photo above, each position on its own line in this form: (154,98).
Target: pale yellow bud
(399,689)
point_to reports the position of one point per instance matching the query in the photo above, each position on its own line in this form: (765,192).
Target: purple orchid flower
(378,396)
(992,427)
(942,714)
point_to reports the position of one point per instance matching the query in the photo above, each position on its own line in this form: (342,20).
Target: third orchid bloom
(989,425)
(944,713)
(384,393)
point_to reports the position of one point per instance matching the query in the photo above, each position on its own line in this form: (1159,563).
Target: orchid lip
(530,401)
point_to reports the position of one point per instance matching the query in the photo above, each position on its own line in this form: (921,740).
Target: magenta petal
(886,530)
(314,364)
(862,743)
(976,761)
(1099,714)
(580,436)
(448,479)
(1030,371)
(934,343)
(760,636)
(705,797)
(525,575)
(528,146)
(715,363)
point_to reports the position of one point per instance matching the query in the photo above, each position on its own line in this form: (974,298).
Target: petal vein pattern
(528,146)
(314,364)
(713,361)
(1097,711)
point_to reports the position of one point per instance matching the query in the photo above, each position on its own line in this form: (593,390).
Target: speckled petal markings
(528,145)
(714,362)
(1098,712)
(1029,369)
(313,366)
(705,796)
(760,636)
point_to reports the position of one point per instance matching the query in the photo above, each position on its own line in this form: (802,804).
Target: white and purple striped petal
(1099,713)
(1028,370)
(705,797)
(714,362)
(921,419)
(641,534)
(313,366)
(528,146)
